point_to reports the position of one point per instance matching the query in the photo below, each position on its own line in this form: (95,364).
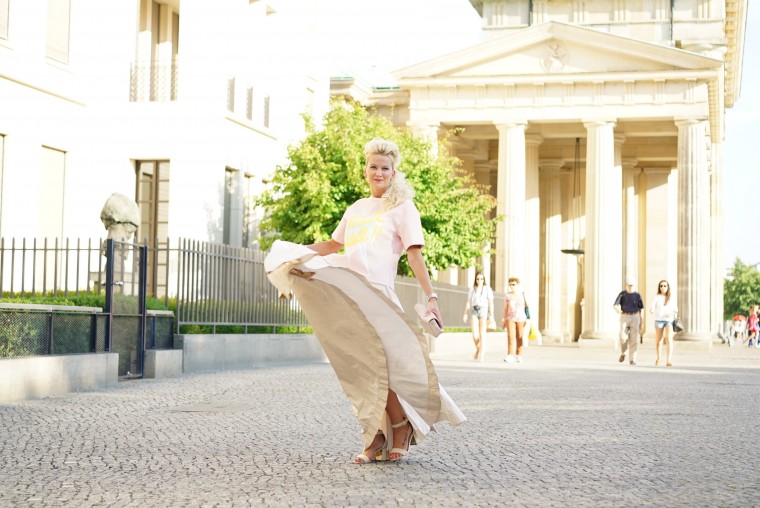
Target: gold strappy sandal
(381,451)
(401,452)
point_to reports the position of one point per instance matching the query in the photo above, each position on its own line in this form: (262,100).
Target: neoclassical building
(599,126)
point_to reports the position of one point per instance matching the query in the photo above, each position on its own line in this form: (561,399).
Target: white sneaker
(519,359)
(509,359)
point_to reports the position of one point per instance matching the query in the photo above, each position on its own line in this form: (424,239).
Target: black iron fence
(223,285)
(204,283)
(29,266)
(116,274)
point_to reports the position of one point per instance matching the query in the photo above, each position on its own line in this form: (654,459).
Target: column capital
(533,139)
(687,121)
(655,171)
(598,122)
(629,165)
(502,125)
(550,165)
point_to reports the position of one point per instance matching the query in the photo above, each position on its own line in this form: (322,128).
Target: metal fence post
(143,250)
(109,291)
(50,332)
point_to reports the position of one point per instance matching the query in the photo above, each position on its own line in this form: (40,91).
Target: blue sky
(384,36)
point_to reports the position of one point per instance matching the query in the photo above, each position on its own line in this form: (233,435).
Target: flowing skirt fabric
(370,342)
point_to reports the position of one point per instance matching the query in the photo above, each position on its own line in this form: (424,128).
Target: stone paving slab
(569,427)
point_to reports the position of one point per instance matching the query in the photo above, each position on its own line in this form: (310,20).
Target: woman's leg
(511,339)
(483,328)
(475,336)
(402,434)
(669,344)
(519,329)
(657,340)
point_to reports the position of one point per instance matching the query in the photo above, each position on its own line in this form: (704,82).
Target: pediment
(557,49)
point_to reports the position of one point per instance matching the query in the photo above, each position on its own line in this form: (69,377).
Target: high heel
(401,452)
(362,458)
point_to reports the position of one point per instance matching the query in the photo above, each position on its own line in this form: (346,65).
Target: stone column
(631,219)
(532,238)
(717,268)
(552,276)
(603,249)
(510,233)
(429,132)
(693,231)
(483,177)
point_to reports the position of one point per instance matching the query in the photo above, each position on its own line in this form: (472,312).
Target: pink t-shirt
(374,239)
(514,307)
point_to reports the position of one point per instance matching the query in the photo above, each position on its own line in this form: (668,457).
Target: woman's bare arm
(325,248)
(418,266)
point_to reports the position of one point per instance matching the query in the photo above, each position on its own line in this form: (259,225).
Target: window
(58,30)
(231,95)
(152,196)
(154,73)
(266,112)
(249,103)
(4,6)
(53,178)
(250,231)
(153,199)
(233,208)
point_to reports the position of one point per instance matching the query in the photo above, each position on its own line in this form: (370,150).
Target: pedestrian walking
(515,316)
(478,311)
(629,304)
(665,311)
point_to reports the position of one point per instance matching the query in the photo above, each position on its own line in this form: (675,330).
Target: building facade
(185,106)
(599,126)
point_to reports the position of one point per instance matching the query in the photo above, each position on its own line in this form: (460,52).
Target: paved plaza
(568,427)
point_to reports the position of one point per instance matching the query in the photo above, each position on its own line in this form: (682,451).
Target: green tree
(741,289)
(325,175)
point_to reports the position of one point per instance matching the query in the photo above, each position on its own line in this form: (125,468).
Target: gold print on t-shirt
(363,229)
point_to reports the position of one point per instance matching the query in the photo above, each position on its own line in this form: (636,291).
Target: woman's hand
(464,317)
(433,307)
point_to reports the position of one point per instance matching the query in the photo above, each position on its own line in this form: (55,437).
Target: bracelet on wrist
(431,296)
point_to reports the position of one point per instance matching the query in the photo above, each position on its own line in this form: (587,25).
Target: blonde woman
(665,310)
(379,355)
(478,311)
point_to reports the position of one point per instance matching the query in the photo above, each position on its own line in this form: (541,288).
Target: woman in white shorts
(665,310)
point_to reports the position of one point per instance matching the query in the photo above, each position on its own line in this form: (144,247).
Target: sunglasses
(513,283)
(663,285)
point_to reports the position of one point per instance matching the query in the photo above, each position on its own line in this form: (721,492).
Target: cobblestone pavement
(568,427)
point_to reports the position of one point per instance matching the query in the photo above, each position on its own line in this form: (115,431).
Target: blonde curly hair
(399,189)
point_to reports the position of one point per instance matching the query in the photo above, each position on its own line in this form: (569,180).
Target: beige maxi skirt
(370,342)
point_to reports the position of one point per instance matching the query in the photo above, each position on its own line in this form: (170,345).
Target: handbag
(677,325)
(527,310)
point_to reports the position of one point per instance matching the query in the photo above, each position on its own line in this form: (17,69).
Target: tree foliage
(741,289)
(325,175)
